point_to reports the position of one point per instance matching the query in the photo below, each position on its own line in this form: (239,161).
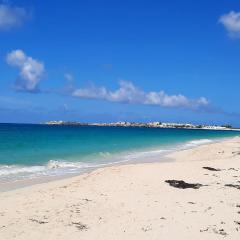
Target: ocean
(30,151)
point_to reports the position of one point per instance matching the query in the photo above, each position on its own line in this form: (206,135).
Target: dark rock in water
(233,185)
(212,169)
(183,185)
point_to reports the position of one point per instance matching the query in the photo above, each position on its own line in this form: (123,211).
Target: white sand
(133,201)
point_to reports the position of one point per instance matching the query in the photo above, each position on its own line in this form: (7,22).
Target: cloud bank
(31,71)
(231,21)
(129,93)
(11,16)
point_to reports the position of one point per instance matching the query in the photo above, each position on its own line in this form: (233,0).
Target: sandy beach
(134,201)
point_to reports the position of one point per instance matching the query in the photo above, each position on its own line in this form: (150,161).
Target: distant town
(149,125)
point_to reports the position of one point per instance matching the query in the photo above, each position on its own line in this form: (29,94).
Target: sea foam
(62,167)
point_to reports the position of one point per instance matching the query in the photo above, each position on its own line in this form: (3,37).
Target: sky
(105,61)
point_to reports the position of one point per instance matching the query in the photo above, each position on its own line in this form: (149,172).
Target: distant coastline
(148,125)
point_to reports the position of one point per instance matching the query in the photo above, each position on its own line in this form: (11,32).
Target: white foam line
(61,167)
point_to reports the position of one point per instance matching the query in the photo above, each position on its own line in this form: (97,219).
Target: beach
(135,201)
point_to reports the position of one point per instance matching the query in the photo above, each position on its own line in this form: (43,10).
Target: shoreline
(161,157)
(134,201)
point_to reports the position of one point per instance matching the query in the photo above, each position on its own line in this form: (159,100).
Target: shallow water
(30,151)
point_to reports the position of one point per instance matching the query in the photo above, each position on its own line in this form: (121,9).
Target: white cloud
(69,77)
(92,92)
(11,16)
(31,70)
(163,99)
(231,22)
(129,93)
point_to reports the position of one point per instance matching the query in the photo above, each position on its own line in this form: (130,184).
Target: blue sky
(98,61)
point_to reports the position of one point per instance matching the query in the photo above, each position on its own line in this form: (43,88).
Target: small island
(147,125)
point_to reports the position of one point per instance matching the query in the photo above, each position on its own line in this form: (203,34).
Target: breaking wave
(197,143)
(61,167)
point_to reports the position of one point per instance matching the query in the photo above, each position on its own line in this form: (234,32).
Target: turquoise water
(33,150)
